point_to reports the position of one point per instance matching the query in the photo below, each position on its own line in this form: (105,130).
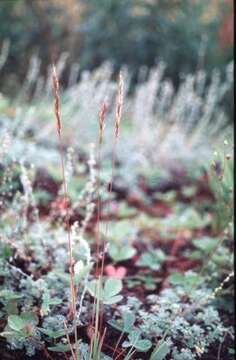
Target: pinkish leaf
(117,273)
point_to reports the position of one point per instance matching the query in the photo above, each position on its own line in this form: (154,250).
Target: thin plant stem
(69,343)
(117,343)
(102,114)
(66,201)
(119,108)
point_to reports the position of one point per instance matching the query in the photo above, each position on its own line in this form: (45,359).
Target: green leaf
(9,334)
(62,276)
(119,230)
(30,318)
(16,322)
(117,325)
(176,278)
(143,345)
(129,319)
(93,288)
(185,219)
(121,253)
(59,348)
(134,337)
(48,301)
(83,273)
(112,287)
(161,351)
(6,251)
(152,259)
(126,324)
(11,307)
(206,244)
(10,295)
(53,333)
(107,294)
(187,280)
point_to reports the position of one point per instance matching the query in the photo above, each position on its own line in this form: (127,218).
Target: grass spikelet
(119,105)
(102,115)
(56,88)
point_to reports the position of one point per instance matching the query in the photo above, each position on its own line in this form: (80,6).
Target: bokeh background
(175,57)
(185,34)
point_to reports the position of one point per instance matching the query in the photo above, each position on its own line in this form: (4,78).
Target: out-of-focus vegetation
(184,34)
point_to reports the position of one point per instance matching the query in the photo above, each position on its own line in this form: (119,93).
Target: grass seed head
(56,88)
(119,104)
(102,115)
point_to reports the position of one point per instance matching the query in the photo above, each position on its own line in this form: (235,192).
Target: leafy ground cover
(150,259)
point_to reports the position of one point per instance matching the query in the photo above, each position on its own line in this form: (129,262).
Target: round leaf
(112,287)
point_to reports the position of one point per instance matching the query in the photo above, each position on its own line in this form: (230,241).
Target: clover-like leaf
(135,341)
(152,259)
(143,345)
(112,287)
(126,324)
(121,253)
(107,294)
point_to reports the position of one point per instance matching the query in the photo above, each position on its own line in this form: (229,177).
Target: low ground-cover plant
(149,273)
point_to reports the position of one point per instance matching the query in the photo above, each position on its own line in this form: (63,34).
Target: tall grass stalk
(118,114)
(57,112)
(95,312)
(102,115)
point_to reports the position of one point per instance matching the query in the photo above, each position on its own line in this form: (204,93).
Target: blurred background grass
(185,34)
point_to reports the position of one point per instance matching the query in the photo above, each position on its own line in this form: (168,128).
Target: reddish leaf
(117,273)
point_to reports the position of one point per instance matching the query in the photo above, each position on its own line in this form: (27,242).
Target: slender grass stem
(67,204)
